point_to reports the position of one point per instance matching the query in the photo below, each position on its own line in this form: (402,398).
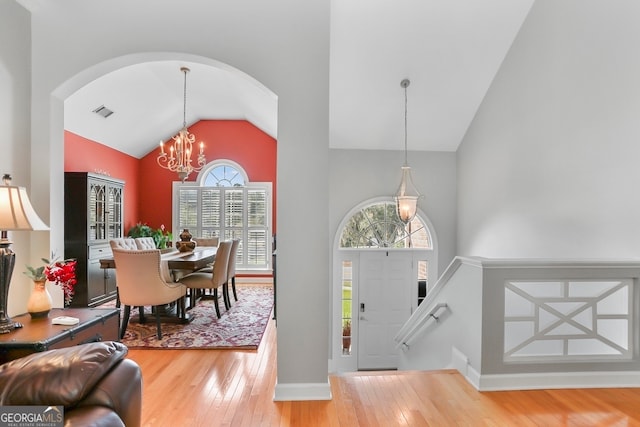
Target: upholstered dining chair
(231,269)
(143,280)
(214,279)
(123,243)
(206,241)
(145,243)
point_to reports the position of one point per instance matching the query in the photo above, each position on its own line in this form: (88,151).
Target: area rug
(242,327)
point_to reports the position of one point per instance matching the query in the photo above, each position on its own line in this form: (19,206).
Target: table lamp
(16,213)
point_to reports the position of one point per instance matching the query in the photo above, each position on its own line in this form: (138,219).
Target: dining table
(200,257)
(180,264)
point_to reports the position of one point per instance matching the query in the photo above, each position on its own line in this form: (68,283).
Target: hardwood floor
(235,388)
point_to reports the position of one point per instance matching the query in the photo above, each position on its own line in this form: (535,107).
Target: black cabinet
(93,215)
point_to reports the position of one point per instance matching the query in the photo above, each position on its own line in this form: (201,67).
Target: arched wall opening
(73,84)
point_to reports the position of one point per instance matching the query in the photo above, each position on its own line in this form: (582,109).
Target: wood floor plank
(226,388)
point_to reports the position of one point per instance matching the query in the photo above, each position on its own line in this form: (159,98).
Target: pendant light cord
(405,83)
(185,70)
(406,162)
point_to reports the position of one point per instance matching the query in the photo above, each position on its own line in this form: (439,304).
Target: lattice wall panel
(567,320)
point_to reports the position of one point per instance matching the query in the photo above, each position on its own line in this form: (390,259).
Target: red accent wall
(236,140)
(148,188)
(85,155)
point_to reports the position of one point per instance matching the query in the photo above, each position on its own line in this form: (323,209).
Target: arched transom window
(224,175)
(378,226)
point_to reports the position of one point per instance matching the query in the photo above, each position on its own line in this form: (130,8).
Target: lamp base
(7,327)
(7,262)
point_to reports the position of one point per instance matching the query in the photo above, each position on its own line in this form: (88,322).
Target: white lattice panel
(568,320)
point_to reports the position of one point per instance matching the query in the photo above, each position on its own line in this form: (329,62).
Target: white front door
(384,305)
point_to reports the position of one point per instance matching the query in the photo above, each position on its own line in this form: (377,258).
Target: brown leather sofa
(94,382)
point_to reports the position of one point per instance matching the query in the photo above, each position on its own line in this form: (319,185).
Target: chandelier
(407,195)
(179,158)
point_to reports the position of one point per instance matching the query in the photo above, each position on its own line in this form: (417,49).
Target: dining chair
(206,241)
(211,280)
(145,243)
(143,280)
(123,243)
(231,269)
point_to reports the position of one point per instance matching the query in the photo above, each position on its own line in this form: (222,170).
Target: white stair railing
(510,324)
(433,314)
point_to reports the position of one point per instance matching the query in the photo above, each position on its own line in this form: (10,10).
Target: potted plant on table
(161,236)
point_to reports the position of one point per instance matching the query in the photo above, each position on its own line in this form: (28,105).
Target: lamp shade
(16,212)
(407,197)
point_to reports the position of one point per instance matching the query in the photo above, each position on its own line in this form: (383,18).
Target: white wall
(549,167)
(15,90)
(284,45)
(457,335)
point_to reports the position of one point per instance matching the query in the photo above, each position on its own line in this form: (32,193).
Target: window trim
(428,228)
(267,187)
(202,175)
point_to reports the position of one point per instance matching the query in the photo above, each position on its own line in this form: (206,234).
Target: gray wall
(549,167)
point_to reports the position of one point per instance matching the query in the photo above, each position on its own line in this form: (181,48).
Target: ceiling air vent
(103,111)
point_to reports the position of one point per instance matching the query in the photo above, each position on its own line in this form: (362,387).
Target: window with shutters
(223,203)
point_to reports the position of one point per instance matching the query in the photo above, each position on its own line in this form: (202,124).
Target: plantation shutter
(239,212)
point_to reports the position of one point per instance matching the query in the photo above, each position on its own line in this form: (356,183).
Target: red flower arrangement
(61,273)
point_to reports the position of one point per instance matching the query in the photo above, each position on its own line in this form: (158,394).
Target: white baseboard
(302,391)
(552,380)
(460,362)
(473,377)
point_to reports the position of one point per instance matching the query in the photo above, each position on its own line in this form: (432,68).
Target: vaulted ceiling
(450,50)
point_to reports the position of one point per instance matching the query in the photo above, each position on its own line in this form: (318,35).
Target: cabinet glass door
(97,208)
(114,212)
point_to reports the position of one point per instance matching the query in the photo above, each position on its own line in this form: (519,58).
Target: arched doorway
(91,76)
(382,269)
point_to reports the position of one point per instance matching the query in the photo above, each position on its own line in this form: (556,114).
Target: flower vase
(185,244)
(39,303)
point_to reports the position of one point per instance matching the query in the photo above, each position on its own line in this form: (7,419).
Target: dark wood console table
(96,324)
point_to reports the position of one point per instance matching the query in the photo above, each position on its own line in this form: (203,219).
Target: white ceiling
(450,50)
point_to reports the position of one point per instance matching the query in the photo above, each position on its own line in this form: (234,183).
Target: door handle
(361,307)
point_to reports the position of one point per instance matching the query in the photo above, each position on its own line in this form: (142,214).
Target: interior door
(384,305)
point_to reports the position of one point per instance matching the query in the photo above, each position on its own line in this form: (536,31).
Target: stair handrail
(433,314)
(418,320)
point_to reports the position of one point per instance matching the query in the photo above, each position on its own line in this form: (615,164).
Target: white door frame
(349,363)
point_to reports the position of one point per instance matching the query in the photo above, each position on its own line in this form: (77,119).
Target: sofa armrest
(94,416)
(120,391)
(58,377)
